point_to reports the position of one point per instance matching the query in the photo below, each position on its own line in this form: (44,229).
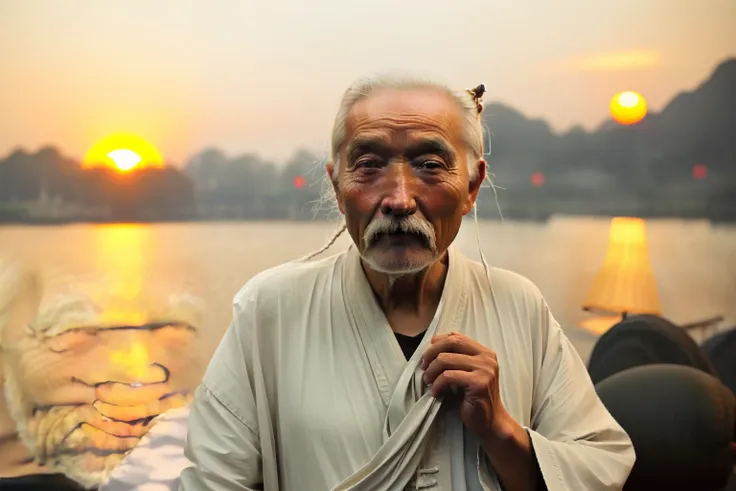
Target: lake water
(694,262)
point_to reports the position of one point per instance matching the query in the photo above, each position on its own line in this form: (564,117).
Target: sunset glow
(625,60)
(628,107)
(123,152)
(124,159)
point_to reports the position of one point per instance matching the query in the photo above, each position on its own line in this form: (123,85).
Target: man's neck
(416,293)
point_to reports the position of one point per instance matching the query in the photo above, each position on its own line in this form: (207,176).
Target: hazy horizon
(266,78)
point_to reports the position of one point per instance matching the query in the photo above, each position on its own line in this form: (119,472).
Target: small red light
(299,182)
(700,171)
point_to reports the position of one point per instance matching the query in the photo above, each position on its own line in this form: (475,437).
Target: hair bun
(477,95)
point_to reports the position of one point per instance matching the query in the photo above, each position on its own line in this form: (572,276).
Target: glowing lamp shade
(625,284)
(628,108)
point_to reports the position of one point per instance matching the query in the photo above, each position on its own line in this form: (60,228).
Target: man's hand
(456,363)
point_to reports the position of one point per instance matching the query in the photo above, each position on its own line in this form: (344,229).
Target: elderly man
(400,364)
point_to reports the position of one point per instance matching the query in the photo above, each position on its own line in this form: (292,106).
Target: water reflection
(120,252)
(693,262)
(84,379)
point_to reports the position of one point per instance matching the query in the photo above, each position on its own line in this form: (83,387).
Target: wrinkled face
(403,178)
(83,398)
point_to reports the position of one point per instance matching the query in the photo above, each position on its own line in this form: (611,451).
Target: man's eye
(429,165)
(368,163)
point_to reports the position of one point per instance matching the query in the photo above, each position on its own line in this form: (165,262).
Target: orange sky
(265,77)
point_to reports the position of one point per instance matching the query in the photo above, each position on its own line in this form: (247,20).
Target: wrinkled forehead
(400,118)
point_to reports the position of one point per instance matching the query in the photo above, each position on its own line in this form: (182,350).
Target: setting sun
(628,107)
(124,159)
(123,152)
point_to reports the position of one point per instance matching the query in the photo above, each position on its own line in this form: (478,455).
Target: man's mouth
(402,238)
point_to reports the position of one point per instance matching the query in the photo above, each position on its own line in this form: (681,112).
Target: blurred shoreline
(532,218)
(676,163)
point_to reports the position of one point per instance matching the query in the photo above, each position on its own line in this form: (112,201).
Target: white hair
(365,86)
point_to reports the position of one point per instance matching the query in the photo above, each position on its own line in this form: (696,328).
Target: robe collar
(409,432)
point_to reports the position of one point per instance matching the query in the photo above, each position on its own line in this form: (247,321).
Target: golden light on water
(132,359)
(121,253)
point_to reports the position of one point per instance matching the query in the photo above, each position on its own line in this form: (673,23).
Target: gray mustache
(410,225)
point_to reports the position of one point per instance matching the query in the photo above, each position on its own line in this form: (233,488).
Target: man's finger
(449,379)
(440,337)
(452,343)
(448,361)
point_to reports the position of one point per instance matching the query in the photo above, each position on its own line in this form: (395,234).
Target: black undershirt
(409,345)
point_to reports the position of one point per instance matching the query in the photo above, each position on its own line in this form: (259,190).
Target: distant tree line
(250,188)
(45,186)
(679,162)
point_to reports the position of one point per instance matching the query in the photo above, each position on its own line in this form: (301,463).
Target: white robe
(309,390)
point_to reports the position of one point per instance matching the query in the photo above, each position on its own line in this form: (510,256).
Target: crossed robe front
(309,390)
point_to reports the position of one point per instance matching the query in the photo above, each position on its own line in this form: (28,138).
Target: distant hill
(644,169)
(680,162)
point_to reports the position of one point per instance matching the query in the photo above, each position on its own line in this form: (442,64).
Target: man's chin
(394,263)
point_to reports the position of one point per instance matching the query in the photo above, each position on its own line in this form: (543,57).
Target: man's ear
(330,168)
(474,184)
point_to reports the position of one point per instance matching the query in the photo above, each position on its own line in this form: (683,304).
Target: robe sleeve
(577,442)
(222,440)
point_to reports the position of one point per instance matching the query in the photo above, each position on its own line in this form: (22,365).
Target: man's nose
(399,197)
